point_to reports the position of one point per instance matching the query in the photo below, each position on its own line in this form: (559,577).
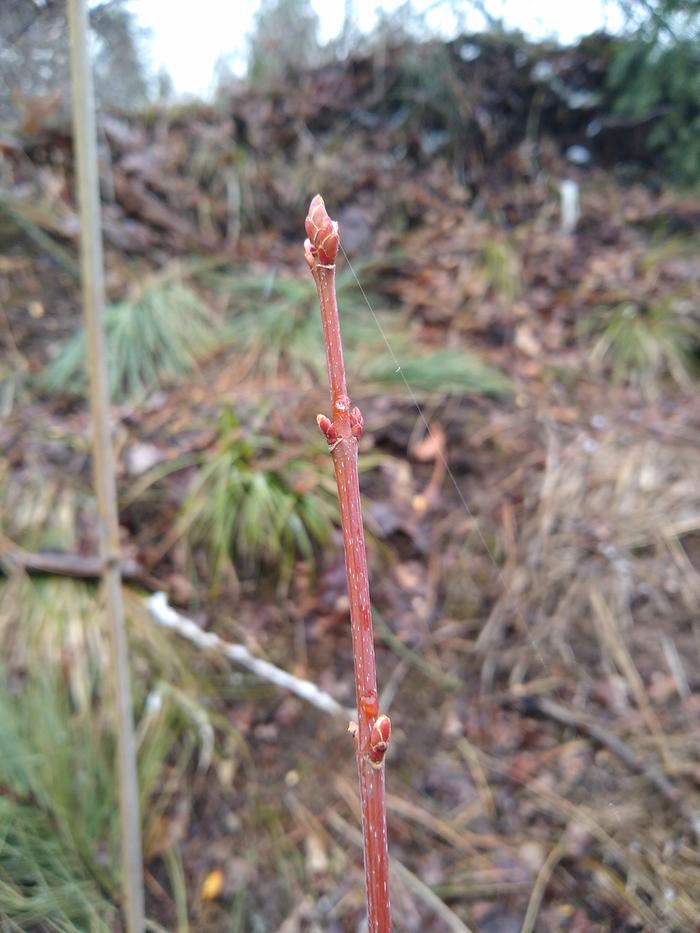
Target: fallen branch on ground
(419,889)
(169,618)
(67,564)
(542,706)
(77,565)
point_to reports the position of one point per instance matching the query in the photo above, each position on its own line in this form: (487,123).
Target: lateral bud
(309,254)
(379,741)
(357,422)
(327,428)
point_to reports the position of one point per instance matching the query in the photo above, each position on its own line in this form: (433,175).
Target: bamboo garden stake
(343,430)
(92,274)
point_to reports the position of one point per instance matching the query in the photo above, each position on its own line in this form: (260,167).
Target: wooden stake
(92,274)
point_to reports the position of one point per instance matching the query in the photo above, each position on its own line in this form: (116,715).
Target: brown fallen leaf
(432,447)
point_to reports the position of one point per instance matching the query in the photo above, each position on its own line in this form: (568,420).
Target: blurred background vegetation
(529,471)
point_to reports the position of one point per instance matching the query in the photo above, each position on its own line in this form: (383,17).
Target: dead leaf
(213,885)
(526,341)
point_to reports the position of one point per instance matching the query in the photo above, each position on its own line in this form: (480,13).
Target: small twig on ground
(392,641)
(551,710)
(612,642)
(76,565)
(630,863)
(412,882)
(68,564)
(304,910)
(169,618)
(540,886)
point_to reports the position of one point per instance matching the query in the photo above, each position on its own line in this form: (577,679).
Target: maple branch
(342,430)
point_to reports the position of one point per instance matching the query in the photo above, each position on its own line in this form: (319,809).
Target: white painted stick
(170,618)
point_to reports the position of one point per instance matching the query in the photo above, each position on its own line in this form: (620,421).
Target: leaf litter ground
(536,604)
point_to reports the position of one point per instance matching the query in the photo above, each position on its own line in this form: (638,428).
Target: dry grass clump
(58,807)
(642,345)
(610,515)
(41,507)
(600,607)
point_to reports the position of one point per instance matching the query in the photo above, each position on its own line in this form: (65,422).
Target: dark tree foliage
(121,75)
(655,75)
(284,38)
(34,56)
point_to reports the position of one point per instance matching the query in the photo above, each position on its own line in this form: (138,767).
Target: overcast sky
(188,38)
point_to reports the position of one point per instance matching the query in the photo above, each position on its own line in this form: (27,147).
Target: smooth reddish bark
(342,431)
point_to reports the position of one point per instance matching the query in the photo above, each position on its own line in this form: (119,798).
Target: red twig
(342,431)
